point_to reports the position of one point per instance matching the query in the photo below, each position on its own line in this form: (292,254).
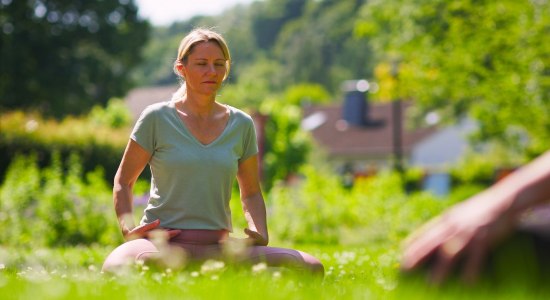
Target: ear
(179,67)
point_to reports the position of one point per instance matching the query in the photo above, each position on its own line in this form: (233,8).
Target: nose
(211,69)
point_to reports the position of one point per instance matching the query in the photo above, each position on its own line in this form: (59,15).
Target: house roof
(375,139)
(138,99)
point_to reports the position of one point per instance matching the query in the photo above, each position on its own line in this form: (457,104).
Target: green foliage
(304,41)
(306,93)
(320,46)
(286,145)
(271,17)
(376,210)
(55,206)
(481,168)
(115,115)
(96,144)
(487,60)
(312,211)
(256,82)
(63,57)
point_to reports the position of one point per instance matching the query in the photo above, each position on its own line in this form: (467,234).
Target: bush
(376,209)
(53,207)
(115,115)
(96,145)
(311,211)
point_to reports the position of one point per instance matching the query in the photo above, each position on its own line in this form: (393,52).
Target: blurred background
(372,116)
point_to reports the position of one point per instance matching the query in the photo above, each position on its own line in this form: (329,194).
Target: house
(138,99)
(360,138)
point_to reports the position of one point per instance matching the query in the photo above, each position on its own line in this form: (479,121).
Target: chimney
(355,110)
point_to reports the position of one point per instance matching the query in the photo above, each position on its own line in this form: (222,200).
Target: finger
(419,248)
(448,254)
(150,226)
(255,237)
(250,233)
(475,258)
(172,233)
(441,268)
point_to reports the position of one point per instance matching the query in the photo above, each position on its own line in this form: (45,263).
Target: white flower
(260,267)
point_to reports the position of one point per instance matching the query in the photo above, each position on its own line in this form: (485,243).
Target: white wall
(444,147)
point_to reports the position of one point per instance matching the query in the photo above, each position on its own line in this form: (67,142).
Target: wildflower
(259,268)
(212,266)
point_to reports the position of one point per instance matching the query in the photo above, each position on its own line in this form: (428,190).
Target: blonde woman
(195,148)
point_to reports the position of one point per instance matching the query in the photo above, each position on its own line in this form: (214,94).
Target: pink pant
(200,245)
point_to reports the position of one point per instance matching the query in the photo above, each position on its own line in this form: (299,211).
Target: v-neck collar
(187,131)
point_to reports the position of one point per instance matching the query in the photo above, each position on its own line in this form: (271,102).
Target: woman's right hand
(145,230)
(254,238)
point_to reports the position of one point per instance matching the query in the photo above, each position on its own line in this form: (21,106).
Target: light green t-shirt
(191,183)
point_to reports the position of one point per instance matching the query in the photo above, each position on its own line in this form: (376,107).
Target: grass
(351,273)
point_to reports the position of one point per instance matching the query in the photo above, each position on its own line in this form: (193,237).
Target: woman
(195,147)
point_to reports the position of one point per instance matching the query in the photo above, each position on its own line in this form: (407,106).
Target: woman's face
(205,68)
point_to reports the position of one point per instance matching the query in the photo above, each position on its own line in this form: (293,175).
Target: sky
(164,12)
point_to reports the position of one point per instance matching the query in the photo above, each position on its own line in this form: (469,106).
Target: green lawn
(352,273)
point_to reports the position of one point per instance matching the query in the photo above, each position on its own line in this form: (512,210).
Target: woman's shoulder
(239,114)
(158,108)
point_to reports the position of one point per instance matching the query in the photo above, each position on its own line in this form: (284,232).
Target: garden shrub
(55,206)
(376,209)
(96,144)
(310,211)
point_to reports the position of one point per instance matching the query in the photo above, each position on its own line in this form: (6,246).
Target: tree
(63,57)
(489,60)
(270,17)
(287,146)
(320,46)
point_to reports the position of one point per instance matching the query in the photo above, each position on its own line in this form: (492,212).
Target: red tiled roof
(371,140)
(139,98)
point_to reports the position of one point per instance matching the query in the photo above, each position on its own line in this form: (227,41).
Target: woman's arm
(133,162)
(253,201)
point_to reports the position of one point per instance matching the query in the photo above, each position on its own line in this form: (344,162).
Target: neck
(202,107)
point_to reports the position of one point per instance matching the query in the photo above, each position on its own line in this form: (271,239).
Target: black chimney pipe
(355,111)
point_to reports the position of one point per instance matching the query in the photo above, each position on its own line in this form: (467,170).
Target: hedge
(96,144)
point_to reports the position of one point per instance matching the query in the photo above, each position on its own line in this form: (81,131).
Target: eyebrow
(217,59)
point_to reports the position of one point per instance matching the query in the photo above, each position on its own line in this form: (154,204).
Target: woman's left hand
(255,238)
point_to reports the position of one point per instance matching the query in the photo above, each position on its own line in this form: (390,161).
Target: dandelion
(212,266)
(2,266)
(259,268)
(194,274)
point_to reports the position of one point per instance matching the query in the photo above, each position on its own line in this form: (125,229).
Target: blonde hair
(187,44)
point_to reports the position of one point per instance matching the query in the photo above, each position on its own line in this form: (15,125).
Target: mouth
(209,82)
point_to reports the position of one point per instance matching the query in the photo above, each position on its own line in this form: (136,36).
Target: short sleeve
(144,130)
(250,144)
